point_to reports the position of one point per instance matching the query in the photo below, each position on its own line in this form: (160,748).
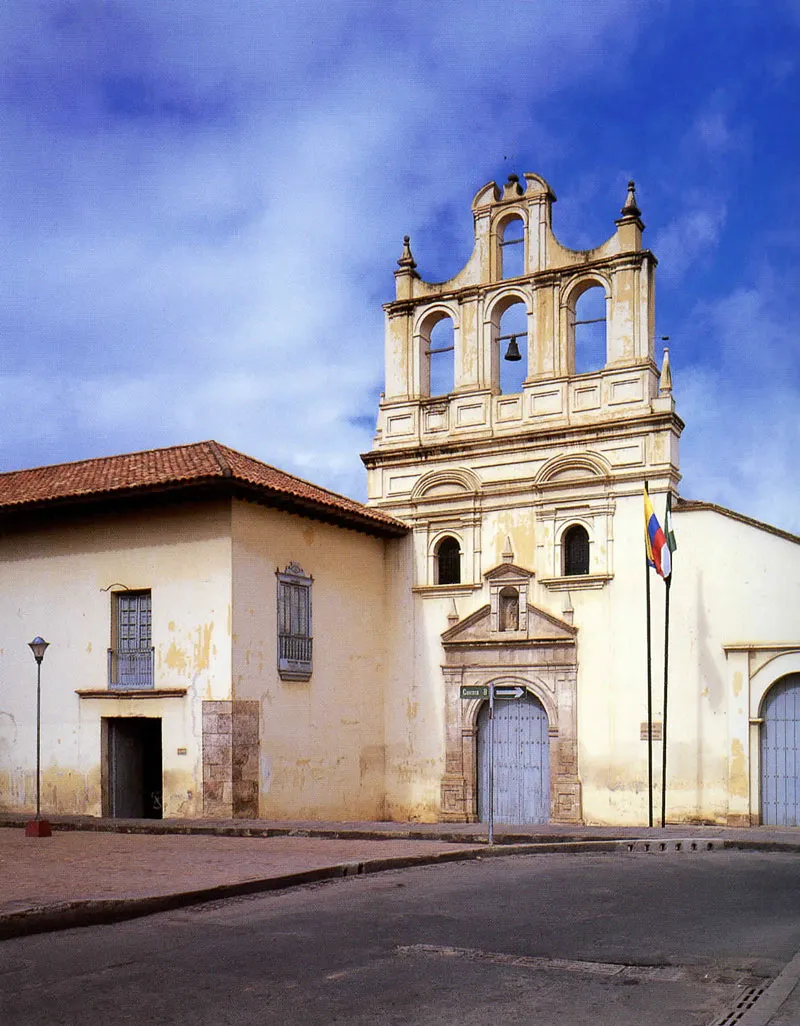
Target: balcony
(294,657)
(131,669)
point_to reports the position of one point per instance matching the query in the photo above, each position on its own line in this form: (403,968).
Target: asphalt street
(672,939)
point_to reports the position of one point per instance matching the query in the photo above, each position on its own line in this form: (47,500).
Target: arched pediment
(488,194)
(574,467)
(446,482)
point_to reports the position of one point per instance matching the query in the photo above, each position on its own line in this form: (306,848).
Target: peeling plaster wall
(51,583)
(322,741)
(732,583)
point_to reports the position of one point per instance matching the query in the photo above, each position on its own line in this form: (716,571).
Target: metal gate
(521,762)
(780,754)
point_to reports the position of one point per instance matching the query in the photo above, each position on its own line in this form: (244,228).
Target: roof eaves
(697,505)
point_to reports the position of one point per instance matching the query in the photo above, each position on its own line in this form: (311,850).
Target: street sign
(508,692)
(474,690)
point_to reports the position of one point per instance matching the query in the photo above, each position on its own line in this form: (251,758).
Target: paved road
(671,940)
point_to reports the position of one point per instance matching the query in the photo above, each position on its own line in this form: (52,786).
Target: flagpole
(649,700)
(667,582)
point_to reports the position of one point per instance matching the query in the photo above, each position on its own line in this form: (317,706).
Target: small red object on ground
(38,828)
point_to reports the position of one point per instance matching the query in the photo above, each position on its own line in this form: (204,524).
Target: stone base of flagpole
(38,828)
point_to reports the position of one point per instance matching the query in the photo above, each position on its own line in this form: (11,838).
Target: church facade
(231,641)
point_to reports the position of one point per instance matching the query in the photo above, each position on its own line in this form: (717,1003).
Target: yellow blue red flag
(658,553)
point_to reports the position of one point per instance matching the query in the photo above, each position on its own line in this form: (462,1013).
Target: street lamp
(38,827)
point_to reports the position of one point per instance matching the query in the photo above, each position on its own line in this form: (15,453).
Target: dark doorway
(132,763)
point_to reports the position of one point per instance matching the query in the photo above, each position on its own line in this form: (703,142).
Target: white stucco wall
(322,741)
(733,584)
(52,582)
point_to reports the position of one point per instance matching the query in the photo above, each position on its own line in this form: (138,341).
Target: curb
(95,912)
(775,996)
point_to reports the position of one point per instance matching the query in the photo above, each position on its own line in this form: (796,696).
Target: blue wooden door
(780,754)
(521,762)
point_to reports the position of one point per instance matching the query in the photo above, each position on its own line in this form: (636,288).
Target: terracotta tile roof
(184,465)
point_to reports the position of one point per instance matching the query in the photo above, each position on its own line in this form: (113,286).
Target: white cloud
(208,202)
(690,237)
(743,433)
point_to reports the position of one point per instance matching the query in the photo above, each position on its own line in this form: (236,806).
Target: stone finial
(452,616)
(406,260)
(630,209)
(512,189)
(568,611)
(508,552)
(665,381)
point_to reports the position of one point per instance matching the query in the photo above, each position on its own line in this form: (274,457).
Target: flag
(669,533)
(658,551)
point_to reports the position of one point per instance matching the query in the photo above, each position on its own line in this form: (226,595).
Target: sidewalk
(101,871)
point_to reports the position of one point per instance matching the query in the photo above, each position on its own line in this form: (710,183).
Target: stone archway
(541,658)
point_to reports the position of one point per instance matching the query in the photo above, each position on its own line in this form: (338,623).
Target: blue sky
(202,205)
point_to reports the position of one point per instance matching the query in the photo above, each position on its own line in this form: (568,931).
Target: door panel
(521,762)
(780,754)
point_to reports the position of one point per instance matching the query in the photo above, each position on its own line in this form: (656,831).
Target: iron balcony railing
(294,649)
(131,669)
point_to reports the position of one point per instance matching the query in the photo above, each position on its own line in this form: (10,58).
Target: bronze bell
(512,353)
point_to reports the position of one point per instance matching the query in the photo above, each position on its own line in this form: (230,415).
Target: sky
(202,204)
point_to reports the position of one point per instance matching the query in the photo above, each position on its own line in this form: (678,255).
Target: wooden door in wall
(780,754)
(521,762)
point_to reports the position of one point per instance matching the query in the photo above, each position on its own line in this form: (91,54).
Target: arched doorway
(780,753)
(521,762)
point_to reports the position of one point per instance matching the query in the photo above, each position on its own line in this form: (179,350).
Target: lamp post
(38,827)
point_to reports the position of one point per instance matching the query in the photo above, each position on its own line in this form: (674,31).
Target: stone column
(230,759)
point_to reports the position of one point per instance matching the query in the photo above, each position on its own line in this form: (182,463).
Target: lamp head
(38,646)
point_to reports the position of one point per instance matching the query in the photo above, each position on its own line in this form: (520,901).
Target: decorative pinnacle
(630,209)
(407,260)
(508,552)
(665,380)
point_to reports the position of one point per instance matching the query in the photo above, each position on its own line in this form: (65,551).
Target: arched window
(513,329)
(512,248)
(448,562)
(575,546)
(509,609)
(440,351)
(590,330)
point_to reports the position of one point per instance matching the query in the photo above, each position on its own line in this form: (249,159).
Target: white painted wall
(52,581)
(322,741)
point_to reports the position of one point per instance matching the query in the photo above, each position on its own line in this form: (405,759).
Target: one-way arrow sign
(508,692)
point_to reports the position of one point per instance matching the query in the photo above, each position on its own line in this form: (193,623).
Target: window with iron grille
(130,658)
(575,544)
(295,641)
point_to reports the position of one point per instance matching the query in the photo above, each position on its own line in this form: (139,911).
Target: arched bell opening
(511,245)
(588,329)
(512,340)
